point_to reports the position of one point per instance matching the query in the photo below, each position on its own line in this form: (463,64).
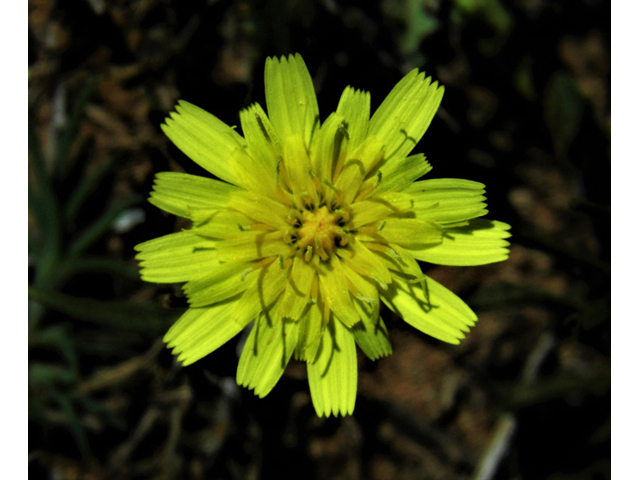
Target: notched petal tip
(283,59)
(433,310)
(333,377)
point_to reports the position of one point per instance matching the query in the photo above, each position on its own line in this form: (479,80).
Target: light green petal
(264,149)
(444,188)
(252,245)
(333,377)
(267,285)
(371,334)
(356,166)
(310,334)
(218,284)
(406,232)
(447,201)
(480,242)
(266,353)
(431,308)
(377,208)
(261,209)
(291,99)
(360,259)
(403,117)
(328,147)
(176,257)
(298,166)
(298,289)
(335,291)
(355,107)
(180,193)
(220,224)
(399,261)
(209,142)
(200,331)
(361,286)
(399,175)
(263,143)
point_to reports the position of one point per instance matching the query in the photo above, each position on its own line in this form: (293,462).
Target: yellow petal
(218,284)
(270,281)
(263,147)
(291,99)
(479,243)
(298,167)
(431,308)
(263,143)
(328,147)
(206,140)
(200,331)
(394,177)
(371,334)
(355,108)
(360,259)
(357,165)
(181,193)
(378,208)
(260,208)
(333,377)
(266,353)
(176,257)
(296,295)
(252,245)
(360,287)
(447,201)
(399,261)
(406,232)
(335,291)
(220,224)
(310,334)
(403,117)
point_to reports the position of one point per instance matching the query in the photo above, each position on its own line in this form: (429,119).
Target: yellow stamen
(308,253)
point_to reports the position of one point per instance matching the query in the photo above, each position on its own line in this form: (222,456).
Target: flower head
(310,227)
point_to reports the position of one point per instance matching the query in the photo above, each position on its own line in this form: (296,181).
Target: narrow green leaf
(110,266)
(74,422)
(44,205)
(100,227)
(63,154)
(563,108)
(84,190)
(59,338)
(128,316)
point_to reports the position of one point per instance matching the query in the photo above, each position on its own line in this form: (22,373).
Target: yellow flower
(311,226)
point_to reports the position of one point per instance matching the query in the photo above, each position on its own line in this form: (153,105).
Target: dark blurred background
(526,111)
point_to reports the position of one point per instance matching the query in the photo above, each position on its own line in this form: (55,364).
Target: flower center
(318,232)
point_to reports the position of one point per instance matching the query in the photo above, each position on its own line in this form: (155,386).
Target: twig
(493,455)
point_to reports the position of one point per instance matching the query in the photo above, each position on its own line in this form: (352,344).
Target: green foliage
(58,243)
(563,109)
